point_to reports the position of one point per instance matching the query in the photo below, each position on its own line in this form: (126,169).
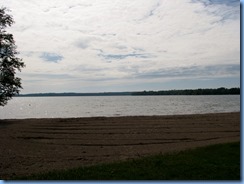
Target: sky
(126,45)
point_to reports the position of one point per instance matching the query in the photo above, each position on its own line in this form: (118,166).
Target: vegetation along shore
(207,91)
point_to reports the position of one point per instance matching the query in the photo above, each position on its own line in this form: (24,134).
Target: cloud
(124,56)
(211,71)
(224,10)
(82,44)
(51,57)
(218,2)
(122,42)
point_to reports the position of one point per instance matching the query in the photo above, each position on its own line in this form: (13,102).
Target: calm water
(50,107)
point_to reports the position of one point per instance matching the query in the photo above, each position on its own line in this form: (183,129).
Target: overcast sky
(126,45)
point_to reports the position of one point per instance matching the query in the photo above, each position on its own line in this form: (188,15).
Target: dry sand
(39,145)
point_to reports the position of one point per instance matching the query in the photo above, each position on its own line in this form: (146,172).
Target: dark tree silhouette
(9,63)
(218,91)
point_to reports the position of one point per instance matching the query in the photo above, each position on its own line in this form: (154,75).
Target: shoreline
(118,116)
(29,146)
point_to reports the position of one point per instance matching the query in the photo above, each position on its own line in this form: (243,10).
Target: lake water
(84,106)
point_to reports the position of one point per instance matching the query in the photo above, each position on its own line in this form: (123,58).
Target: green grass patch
(216,162)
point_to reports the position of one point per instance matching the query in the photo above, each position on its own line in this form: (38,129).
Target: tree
(9,62)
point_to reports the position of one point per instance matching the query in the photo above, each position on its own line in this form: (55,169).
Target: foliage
(215,162)
(9,63)
(218,91)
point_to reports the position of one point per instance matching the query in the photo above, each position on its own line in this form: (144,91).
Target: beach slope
(31,146)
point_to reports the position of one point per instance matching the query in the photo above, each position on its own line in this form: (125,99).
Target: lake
(90,106)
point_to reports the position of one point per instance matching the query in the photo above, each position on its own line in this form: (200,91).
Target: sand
(31,146)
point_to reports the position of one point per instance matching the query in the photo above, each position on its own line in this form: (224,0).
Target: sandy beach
(39,145)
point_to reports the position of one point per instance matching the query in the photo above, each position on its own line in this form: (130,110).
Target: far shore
(29,146)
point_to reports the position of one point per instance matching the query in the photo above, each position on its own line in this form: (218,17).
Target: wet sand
(39,145)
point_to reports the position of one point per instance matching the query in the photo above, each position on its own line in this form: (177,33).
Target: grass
(216,162)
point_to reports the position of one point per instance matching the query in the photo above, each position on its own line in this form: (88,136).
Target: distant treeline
(218,91)
(77,94)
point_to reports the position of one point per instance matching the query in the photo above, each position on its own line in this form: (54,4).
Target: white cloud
(114,41)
